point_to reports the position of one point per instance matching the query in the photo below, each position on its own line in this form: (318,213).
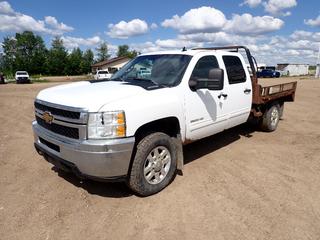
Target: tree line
(28,52)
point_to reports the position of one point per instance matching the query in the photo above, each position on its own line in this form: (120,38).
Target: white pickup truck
(132,127)
(22,77)
(102,74)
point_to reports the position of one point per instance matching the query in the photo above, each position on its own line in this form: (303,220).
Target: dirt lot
(241,184)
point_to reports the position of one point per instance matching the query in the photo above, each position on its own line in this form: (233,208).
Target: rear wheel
(271,118)
(154,165)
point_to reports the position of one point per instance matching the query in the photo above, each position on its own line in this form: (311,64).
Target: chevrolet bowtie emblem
(47,117)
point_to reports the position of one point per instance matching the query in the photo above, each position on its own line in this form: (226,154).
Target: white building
(293,69)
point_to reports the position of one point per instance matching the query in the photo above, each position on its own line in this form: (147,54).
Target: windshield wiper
(117,79)
(147,80)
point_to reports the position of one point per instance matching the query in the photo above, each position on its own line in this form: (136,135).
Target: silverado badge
(47,117)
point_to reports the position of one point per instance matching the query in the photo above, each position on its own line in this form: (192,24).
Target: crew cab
(22,77)
(102,74)
(132,127)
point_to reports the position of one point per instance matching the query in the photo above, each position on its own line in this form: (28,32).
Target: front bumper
(98,159)
(23,80)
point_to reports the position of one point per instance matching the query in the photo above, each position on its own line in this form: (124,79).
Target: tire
(270,118)
(151,172)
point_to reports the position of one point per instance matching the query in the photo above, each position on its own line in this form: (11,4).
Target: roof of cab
(180,52)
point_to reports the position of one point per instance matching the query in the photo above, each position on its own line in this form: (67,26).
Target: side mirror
(213,82)
(216,78)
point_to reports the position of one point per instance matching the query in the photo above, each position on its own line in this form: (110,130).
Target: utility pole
(317,75)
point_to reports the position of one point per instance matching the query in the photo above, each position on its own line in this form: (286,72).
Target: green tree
(102,52)
(87,61)
(123,51)
(9,53)
(74,62)
(57,58)
(30,52)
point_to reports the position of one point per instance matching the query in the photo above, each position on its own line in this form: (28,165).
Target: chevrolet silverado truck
(132,127)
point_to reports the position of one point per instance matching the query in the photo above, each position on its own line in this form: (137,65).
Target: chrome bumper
(92,158)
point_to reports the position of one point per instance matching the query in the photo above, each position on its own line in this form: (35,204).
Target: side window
(203,66)
(235,70)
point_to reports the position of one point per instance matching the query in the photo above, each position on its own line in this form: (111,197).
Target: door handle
(222,95)
(247,90)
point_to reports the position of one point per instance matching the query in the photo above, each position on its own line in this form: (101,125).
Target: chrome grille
(67,121)
(59,129)
(57,111)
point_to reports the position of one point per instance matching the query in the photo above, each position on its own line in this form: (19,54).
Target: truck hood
(91,96)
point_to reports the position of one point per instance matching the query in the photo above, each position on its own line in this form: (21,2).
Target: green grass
(39,80)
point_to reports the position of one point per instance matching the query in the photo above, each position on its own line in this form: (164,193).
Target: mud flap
(179,149)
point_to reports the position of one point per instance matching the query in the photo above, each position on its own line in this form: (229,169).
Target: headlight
(106,125)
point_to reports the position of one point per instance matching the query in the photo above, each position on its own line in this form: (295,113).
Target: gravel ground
(240,184)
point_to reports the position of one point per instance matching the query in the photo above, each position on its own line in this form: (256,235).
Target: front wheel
(154,165)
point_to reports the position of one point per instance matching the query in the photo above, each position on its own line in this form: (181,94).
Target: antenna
(184,49)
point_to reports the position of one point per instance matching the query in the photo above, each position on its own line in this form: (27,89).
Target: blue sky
(275,30)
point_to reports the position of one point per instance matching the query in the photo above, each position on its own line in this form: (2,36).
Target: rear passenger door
(239,90)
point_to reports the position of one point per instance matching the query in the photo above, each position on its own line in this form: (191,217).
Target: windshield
(103,72)
(162,69)
(21,73)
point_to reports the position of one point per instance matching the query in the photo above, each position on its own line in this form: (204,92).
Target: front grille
(57,111)
(59,129)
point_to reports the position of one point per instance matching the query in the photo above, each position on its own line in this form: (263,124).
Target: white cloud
(251,3)
(313,22)
(59,27)
(20,23)
(73,42)
(124,30)
(210,20)
(299,47)
(292,52)
(11,21)
(153,26)
(203,19)
(279,7)
(5,8)
(220,39)
(300,35)
(146,47)
(302,45)
(247,24)
(304,35)
(177,44)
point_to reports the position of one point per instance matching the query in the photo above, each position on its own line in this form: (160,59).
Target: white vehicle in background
(102,74)
(22,77)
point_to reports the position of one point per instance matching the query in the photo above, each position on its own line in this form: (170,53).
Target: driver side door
(206,113)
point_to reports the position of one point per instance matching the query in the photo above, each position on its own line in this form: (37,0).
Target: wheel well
(168,125)
(264,107)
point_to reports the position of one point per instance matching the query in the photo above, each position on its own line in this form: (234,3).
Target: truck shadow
(103,189)
(192,151)
(196,150)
